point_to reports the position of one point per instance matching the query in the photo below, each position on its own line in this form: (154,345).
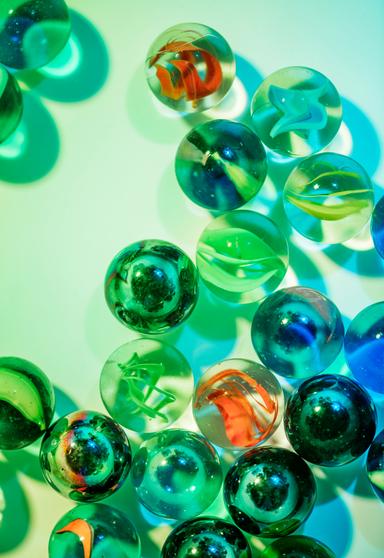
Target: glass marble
(146,385)
(32,32)
(364,347)
(330,420)
(190,67)
(297,332)
(221,165)
(375,465)
(206,537)
(296,111)
(242,256)
(85,456)
(238,404)
(328,198)
(176,474)
(151,286)
(11,104)
(269,492)
(377,227)
(297,546)
(94,531)
(27,403)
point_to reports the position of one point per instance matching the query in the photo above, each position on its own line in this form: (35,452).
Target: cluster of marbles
(206,537)
(269,492)
(221,165)
(297,332)
(377,227)
(330,420)
(151,286)
(85,456)
(242,256)
(297,546)
(238,404)
(11,104)
(190,67)
(146,385)
(27,403)
(94,531)
(176,474)
(375,465)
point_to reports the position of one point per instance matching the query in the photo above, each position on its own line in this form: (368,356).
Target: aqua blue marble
(375,465)
(377,227)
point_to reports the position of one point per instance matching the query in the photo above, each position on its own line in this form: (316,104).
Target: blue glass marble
(377,227)
(364,347)
(375,465)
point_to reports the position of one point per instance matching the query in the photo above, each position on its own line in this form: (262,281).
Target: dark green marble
(375,465)
(297,547)
(11,104)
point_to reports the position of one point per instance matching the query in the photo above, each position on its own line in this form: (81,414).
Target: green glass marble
(32,32)
(27,403)
(330,420)
(176,474)
(85,456)
(375,465)
(296,111)
(269,492)
(94,531)
(146,385)
(11,104)
(297,546)
(328,198)
(151,286)
(221,165)
(206,537)
(190,67)
(242,256)
(377,227)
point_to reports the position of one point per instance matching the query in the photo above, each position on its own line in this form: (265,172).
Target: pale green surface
(114,183)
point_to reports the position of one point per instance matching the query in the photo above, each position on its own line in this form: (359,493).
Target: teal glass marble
(328,198)
(27,403)
(94,531)
(221,165)
(190,67)
(11,104)
(269,492)
(32,32)
(364,347)
(151,286)
(330,420)
(375,465)
(297,546)
(242,256)
(146,385)
(176,474)
(85,456)
(296,111)
(297,332)
(377,227)
(206,537)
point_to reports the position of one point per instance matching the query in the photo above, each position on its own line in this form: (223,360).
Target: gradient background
(90,170)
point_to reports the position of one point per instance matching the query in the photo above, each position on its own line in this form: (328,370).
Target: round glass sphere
(377,227)
(297,332)
(375,465)
(206,537)
(330,420)
(11,104)
(242,256)
(151,286)
(94,531)
(238,404)
(269,492)
(190,67)
(32,32)
(146,385)
(364,347)
(296,111)
(176,473)
(297,546)
(27,403)
(328,198)
(221,165)
(85,456)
